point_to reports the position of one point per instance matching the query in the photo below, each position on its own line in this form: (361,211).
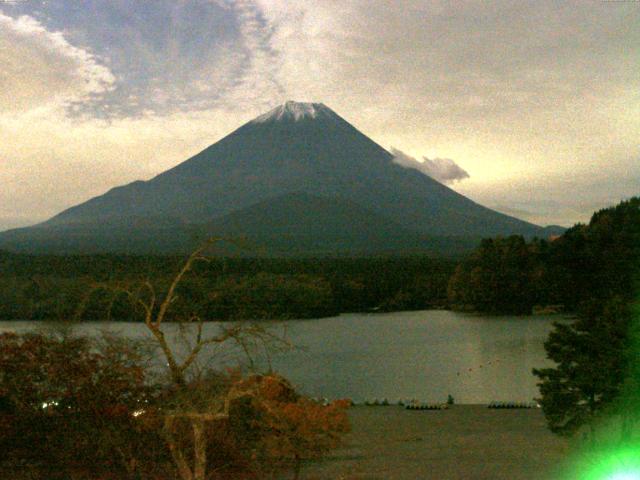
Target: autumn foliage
(74,409)
(66,407)
(292,427)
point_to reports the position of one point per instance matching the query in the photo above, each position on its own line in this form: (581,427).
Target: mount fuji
(297,180)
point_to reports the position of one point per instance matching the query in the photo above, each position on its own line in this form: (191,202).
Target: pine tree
(592,357)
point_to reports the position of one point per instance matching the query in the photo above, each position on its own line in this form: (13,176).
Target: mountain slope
(297,147)
(308,223)
(294,224)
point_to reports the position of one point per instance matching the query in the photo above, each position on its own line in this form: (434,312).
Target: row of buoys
(426,406)
(408,404)
(414,404)
(513,405)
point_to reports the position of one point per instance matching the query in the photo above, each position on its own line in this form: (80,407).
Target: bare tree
(194,408)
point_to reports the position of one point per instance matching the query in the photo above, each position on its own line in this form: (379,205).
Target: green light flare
(617,464)
(617,459)
(625,476)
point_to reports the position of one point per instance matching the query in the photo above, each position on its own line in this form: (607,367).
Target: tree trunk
(176,452)
(199,449)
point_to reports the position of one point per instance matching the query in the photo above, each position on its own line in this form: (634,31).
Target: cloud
(169,56)
(559,197)
(493,84)
(41,69)
(258,86)
(443,170)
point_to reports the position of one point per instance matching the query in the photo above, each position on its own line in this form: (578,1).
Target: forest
(34,287)
(592,273)
(588,264)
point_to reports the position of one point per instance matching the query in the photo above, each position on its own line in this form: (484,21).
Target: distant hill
(299,223)
(297,179)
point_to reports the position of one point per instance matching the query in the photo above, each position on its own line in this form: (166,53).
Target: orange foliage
(295,427)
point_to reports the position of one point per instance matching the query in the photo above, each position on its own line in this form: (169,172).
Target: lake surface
(424,355)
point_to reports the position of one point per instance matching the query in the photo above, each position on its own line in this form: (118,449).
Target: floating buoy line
(513,405)
(414,404)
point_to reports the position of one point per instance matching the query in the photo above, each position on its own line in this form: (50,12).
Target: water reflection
(424,355)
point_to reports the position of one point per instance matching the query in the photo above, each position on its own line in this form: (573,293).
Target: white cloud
(518,92)
(444,170)
(561,197)
(257,88)
(51,160)
(42,69)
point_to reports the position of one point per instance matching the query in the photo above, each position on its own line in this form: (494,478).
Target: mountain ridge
(296,147)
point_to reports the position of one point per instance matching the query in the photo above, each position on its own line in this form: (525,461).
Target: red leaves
(67,403)
(37,369)
(99,415)
(293,426)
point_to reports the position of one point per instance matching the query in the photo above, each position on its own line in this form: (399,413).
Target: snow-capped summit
(296,111)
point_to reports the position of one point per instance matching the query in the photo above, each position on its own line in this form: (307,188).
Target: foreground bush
(71,408)
(66,409)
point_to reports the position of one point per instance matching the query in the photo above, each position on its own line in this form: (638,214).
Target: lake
(424,355)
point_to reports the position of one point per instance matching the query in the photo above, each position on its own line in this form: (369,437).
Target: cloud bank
(40,68)
(443,170)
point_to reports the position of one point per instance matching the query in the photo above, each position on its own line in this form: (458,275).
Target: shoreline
(471,313)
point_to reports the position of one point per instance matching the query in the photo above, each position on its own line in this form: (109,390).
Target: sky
(528,107)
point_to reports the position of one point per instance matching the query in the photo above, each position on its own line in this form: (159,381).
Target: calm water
(425,355)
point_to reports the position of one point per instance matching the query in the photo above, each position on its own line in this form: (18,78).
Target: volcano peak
(296,111)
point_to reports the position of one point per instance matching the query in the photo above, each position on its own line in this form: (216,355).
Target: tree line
(52,287)
(588,263)
(503,275)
